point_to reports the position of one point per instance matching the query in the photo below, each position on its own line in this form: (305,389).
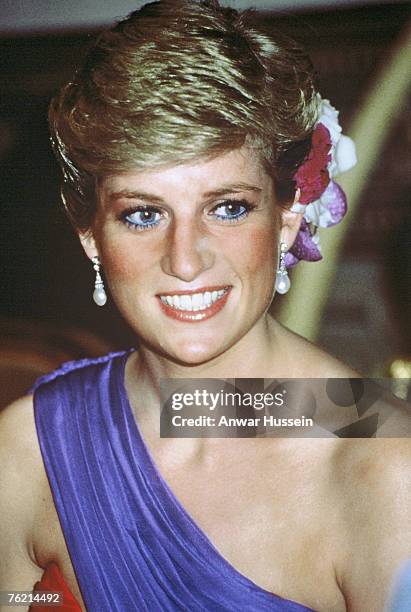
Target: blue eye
(142,218)
(232,210)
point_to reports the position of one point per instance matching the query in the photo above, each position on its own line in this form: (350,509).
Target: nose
(188,251)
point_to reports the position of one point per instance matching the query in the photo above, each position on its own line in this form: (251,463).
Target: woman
(191,148)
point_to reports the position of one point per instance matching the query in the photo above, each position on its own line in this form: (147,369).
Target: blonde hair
(179,80)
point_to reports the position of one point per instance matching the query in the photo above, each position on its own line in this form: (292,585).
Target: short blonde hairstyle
(175,81)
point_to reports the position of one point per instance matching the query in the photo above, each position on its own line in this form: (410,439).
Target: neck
(257,355)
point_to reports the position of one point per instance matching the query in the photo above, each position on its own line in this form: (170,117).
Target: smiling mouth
(194,306)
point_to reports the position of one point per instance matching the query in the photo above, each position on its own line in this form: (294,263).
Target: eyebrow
(134,195)
(155,199)
(232,188)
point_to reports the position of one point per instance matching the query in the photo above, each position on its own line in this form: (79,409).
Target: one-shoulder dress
(132,544)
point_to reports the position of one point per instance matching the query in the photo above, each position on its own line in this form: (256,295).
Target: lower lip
(195,316)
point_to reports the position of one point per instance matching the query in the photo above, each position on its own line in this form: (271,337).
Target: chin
(194,353)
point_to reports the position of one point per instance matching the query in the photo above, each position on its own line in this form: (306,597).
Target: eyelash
(140,209)
(247,208)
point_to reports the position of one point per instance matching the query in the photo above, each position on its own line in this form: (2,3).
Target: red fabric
(53,580)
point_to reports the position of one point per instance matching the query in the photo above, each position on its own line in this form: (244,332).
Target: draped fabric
(131,543)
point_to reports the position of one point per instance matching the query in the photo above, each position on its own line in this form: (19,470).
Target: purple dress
(131,543)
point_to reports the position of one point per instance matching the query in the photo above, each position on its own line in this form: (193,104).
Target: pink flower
(312,176)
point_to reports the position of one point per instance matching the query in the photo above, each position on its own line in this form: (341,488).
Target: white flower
(298,208)
(328,116)
(344,156)
(316,239)
(318,212)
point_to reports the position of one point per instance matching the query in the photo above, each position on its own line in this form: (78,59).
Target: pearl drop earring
(282,281)
(99,294)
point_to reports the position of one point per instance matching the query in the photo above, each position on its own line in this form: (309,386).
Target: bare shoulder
(19,449)
(379,465)
(17,421)
(374,481)
(18,438)
(309,360)
(21,482)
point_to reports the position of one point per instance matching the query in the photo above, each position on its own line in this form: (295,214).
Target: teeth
(185,302)
(195,302)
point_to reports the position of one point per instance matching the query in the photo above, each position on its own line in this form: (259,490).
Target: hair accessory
(282,280)
(99,294)
(322,201)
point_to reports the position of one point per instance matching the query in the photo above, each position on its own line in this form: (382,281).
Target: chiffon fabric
(132,544)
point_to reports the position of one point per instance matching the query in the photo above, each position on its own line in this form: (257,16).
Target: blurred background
(357,304)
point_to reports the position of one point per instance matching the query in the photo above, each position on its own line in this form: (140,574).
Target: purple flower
(305,247)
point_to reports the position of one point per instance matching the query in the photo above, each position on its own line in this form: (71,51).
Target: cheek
(122,259)
(260,254)
(119,263)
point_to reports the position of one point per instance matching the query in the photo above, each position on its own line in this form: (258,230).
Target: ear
(88,243)
(291,220)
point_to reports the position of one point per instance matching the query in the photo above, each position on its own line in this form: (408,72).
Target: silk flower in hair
(322,200)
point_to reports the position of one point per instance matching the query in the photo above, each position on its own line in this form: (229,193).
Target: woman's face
(189,252)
